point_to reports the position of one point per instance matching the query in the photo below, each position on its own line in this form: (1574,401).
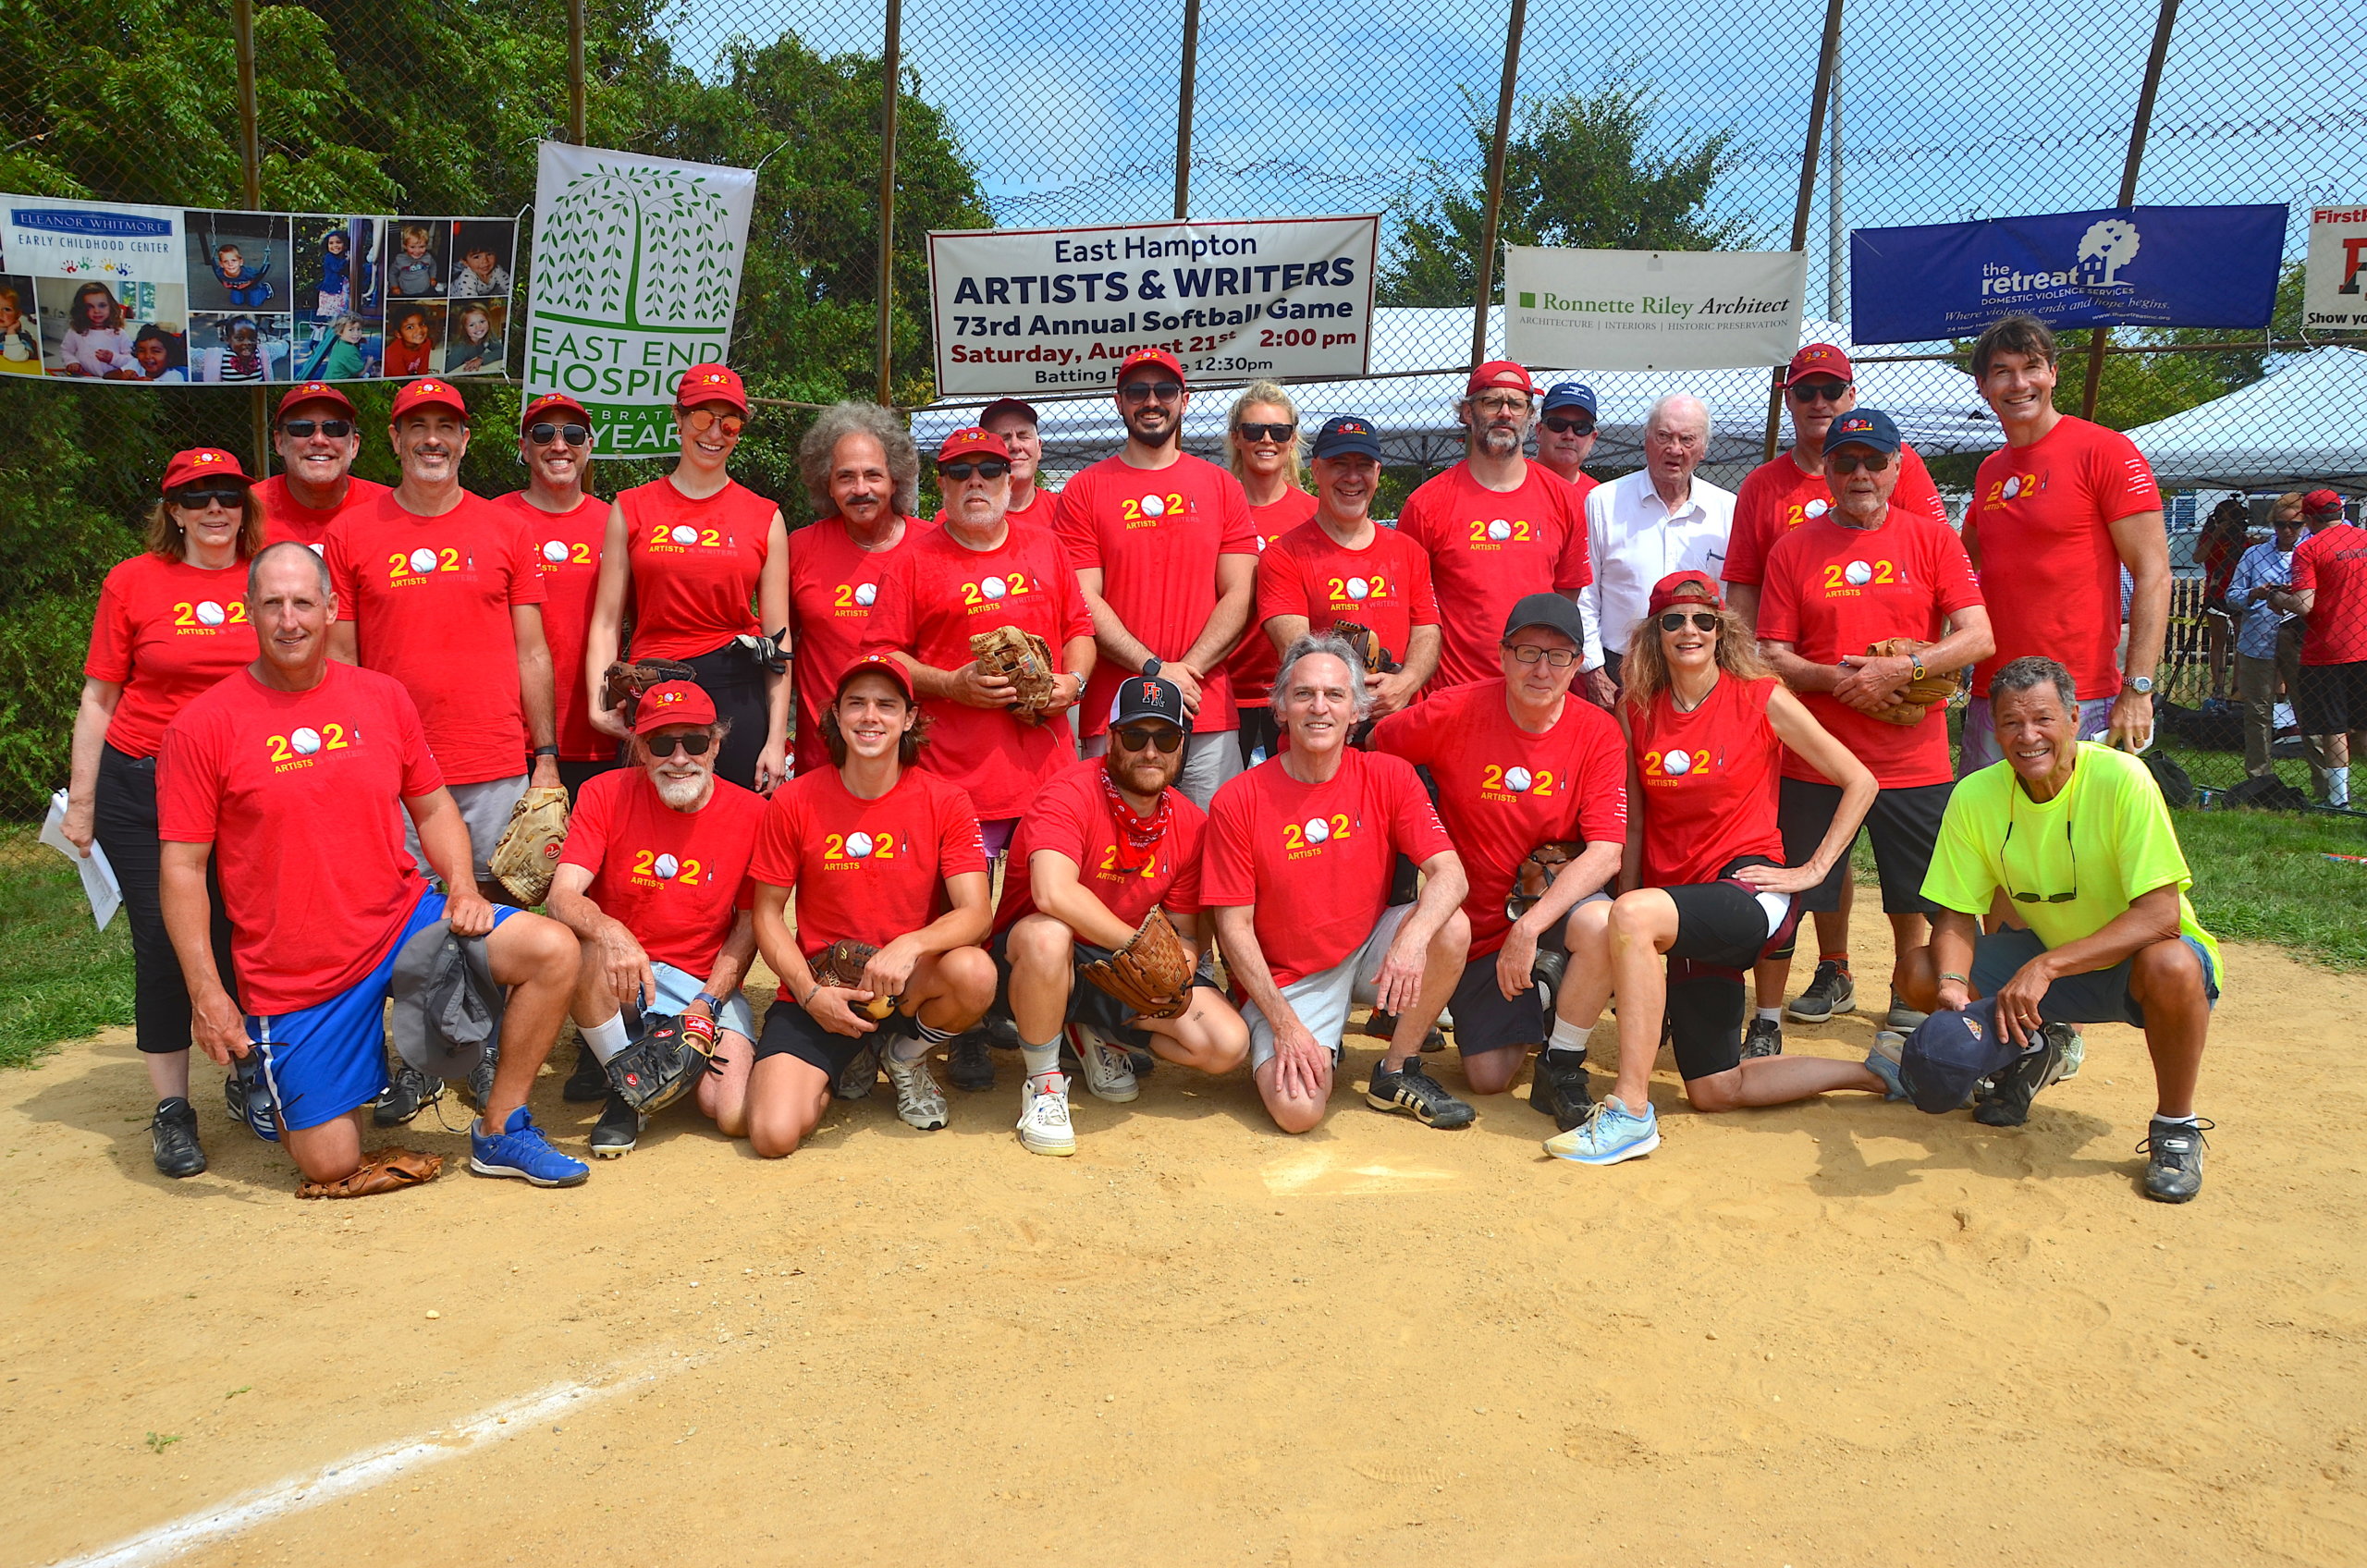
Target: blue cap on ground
(1863,427)
(1346,434)
(1569,394)
(1951,1053)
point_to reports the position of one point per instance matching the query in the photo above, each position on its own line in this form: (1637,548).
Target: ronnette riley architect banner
(1652,310)
(636,276)
(1038,310)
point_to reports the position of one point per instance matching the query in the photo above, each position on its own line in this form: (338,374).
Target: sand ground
(1837,1334)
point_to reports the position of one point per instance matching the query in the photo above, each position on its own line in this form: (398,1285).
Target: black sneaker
(1901,1017)
(2007,1104)
(1383,1026)
(1140,1061)
(618,1130)
(481,1076)
(588,1085)
(1418,1095)
(1559,1089)
(1765,1038)
(173,1129)
(408,1091)
(2173,1174)
(967,1065)
(1831,991)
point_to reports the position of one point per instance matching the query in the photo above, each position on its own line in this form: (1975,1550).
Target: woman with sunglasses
(316,436)
(171,623)
(1706,890)
(567,529)
(1266,451)
(688,555)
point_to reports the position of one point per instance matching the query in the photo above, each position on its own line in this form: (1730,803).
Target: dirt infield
(1842,1333)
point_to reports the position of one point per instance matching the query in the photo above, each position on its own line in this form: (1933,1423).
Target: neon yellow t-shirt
(2106,839)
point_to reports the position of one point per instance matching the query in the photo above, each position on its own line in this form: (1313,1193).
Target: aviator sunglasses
(573,434)
(1144,391)
(703,420)
(1819,391)
(1703,620)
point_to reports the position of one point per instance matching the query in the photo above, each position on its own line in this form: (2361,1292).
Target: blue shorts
(2099,996)
(326,1060)
(677,989)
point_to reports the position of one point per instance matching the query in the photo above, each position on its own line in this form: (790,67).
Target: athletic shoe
(173,1130)
(1901,1017)
(588,1085)
(1765,1038)
(1831,991)
(1883,1062)
(1001,1031)
(258,1108)
(2075,1053)
(1383,1026)
(918,1099)
(2013,1087)
(1044,1116)
(1140,1061)
(481,1076)
(521,1150)
(618,1130)
(2173,1174)
(1611,1134)
(1107,1072)
(1559,1088)
(856,1078)
(1418,1095)
(408,1092)
(967,1066)
(234,1095)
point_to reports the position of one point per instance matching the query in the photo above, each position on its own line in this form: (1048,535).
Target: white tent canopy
(2300,425)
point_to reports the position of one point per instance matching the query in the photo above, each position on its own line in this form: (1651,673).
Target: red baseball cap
(970,442)
(1683,587)
(1142,357)
(1820,359)
(2321,501)
(428,392)
(553,403)
(314,392)
(202,463)
(711,384)
(1505,374)
(876,664)
(672,702)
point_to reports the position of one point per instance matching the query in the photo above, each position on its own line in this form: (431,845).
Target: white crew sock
(607,1039)
(1568,1036)
(1773,1014)
(2338,786)
(1043,1058)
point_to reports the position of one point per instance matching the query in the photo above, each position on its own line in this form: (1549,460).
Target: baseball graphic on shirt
(209,614)
(2013,486)
(304,742)
(858,845)
(865,593)
(1516,779)
(1816,509)
(1356,589)
(1500,530)
(666,866)
(992,588)
(1856,574)
(423,559)
(1154,507)
(554,551)
(1676,764)
(683,533)
(1317,830)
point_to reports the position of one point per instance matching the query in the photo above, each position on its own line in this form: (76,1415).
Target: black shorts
(2331,699)
(1705,1011)
(1486,1020)
(1088,1003)
(1723,926)
(1259,736)
(790,1030)
(1905,826)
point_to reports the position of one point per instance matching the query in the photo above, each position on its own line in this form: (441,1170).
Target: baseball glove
(1366,643)
(1537,873)
(664,1060)
(622,686)
(841,964)
(1152,974)
(382,1171)
(1938,686)
(1023,659)
(527,857)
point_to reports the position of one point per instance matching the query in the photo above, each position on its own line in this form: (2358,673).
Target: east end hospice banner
(2116,266)
(1036,310)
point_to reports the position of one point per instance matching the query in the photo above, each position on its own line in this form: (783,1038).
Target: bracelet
(1960,979)
(542,752)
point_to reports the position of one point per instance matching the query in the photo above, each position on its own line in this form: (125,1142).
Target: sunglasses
(1560,425)
(1528,653)
(1819,391)
(571,434)
(984,468)
(704,420)
(198,500)
(1850,462)
(1136,738)
(664,745)
(1269,432)
(1703,620)
(2063,898)
(1144,391)
(334,429)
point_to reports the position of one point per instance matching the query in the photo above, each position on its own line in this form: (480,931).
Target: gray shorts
(486,808)
(1980,733)
(1208,760)
(1324,1000)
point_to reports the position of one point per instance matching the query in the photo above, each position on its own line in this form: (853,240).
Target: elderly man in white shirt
(1645,525)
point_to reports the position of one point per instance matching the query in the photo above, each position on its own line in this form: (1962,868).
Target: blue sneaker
(1883,1062)
(519,1149)
(248,1093)
(1612,1133)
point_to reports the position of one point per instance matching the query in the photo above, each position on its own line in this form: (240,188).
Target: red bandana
(1139,838)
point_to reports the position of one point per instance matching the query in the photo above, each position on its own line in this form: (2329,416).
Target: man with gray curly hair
(1301,851)
(862,473)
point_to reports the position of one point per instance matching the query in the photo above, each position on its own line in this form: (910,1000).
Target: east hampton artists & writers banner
(636,276)
(2116,266)
(1058,309)
(1652,310)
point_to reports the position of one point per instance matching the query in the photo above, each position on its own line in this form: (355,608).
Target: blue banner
(2118,267)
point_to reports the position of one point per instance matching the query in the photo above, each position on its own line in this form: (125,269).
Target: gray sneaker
(2173,1174)
(855,1079)
(1765,1038)
(1831,991)
(1901,1017)
(918,1099)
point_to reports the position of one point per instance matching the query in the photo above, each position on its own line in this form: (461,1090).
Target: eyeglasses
(704,420)
(198,500)
(2061,898)
(1144,391)
(1139,738)
(1560,425)
(1529,653)
(1703,620)
(696,743)
(334,429)
(1819,391)
(1850,462)
(1270,432)
(985,468)
(571,434)
(1504,403)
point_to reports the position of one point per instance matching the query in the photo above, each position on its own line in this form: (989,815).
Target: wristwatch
(542,752)
(714,1004)
(1916,661)
(2140,684)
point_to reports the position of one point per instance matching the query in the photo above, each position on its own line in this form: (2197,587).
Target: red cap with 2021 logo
(428,392)
(711,384)
(202,463)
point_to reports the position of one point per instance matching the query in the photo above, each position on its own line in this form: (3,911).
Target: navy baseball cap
(1569,394)
(1148,696)
(1552,612)
(1863,427)
(1346,435)
(1951,1053)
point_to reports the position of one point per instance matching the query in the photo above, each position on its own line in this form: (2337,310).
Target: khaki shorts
(486,808)
(1323,1000)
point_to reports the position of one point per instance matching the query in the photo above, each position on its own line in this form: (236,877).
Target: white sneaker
(1107,1072)
(918,1099)
(1044,1116)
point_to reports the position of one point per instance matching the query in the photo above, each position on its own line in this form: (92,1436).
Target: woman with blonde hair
(1265,450)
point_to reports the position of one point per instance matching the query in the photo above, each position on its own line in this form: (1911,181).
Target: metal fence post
(242,24)
(1485,261)
(1188,78)
(1836,229)
(1827,60)
(2100,339)
(575,71)
(890,68)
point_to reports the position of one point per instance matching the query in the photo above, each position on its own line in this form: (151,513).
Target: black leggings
(124,814)
(735,682)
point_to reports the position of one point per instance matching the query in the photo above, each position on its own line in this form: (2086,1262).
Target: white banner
(2334,290)
(1652,310)
(636,276)
(1038,310)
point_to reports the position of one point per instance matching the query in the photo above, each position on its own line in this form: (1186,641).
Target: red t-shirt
(407,359)
(1488,550)
(2332,563)
(1071,816)
(1315,860)
(1250,670)
(430,600)
(1778,496)
(1386,586)
(833,582)
(872,870)
(1504,790)
(165,631)
(1154,536)
(1832,590)
(1042,509)
(283,518)
(694,566)
(933,597)
(2042,519)
(300,794)
(568,548)
(1709,783)
(675,879)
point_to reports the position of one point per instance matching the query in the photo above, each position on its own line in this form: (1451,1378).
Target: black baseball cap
(1148,696)
(1347,435)
(1951,1053)
(1550,611)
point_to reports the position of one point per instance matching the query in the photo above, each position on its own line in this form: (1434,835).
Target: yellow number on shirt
(451,559)
(332,737)
(831,844)
(1543,785)
(1294,838)
(1491,777)
(1339,825)
(658,532)
(883,847)
(580,554)
(689,875)
(711,538)
(644,863)
(1130,508)
(844,596)
(279,752)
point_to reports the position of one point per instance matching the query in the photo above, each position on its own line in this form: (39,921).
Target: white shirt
(1634,539)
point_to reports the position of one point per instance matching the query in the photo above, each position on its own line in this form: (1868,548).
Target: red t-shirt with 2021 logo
(871,870)
(1707,782)
(1070,816)
(566,548)
(2332,563)
(1489,549)
(300,794)
(694,566)
(675,879)
(1250,670)
(1778,496)
(288,521)
(165,631)
(1315,860)
(1386,585)
(833,582)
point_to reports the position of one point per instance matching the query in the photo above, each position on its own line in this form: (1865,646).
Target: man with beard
(1164,547)
(1495,526)
(1647,526)
(565,528)
(654,882)
(1015,422)
(1106,842)
(317,435)
(1566,433)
